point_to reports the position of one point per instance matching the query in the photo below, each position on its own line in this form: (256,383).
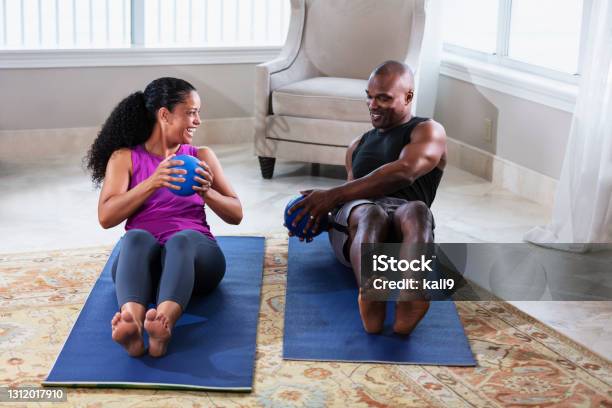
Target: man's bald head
(396,69)
(390,92)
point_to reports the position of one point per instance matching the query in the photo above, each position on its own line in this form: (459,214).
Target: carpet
(520,360)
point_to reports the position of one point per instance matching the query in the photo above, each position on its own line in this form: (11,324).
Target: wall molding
(520,180)
(536,88)
(117,57)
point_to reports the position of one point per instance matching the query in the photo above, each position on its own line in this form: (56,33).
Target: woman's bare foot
(127,332)
(372,314)
(158,328)
(408,314)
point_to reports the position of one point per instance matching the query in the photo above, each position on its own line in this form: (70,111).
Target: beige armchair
(310,101)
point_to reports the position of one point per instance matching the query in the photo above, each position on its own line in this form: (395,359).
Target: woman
(168,252)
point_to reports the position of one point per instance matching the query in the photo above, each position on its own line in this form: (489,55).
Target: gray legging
(189,263)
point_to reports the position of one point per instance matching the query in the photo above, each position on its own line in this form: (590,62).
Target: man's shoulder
(359,140)
(430,129)
(426,122)
(369,132)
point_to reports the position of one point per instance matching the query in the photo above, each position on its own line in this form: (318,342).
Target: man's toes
(408,315)
(373,327)
(372,315)
(404,328)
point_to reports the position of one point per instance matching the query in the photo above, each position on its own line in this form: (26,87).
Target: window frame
(120,57)
(137,53)
(494,71)
(505,74)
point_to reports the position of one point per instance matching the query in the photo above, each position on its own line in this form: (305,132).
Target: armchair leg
(315,169)
(267,166)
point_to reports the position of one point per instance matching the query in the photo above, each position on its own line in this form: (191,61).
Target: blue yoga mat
(322,320)
(213,343)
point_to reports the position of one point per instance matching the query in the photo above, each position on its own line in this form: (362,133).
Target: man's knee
(413,215)
(367,216)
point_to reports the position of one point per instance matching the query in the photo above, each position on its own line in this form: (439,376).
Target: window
(540,36)
(53,24)
(552,41)
(469,29)
(110,24)
(171,23)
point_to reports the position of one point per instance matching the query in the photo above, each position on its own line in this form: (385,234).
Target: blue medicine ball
(298,230)
(190,164)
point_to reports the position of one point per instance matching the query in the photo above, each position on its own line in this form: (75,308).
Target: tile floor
(52,204)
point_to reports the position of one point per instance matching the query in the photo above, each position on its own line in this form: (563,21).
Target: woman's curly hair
(131,121)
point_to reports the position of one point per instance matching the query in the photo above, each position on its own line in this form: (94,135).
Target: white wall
(527,133)
(83,97)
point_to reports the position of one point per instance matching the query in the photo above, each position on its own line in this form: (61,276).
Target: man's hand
(317,203)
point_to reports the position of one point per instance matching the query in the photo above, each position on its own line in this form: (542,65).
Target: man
(393,174)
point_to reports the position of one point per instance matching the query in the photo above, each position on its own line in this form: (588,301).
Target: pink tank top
(164,214)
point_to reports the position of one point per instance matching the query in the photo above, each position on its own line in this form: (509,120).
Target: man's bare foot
(158,328)
(372,314)
(127,332)
(408,314)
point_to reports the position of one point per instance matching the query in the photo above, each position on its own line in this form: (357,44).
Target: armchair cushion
(340,99)
(348,38)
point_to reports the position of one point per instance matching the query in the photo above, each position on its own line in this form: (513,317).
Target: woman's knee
(136,260)
(138,246)
(182,240)
(210,269)
(138,237)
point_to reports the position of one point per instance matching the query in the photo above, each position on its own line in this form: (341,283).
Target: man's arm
(348,164)
(416,159)
(348,161)
(424,152)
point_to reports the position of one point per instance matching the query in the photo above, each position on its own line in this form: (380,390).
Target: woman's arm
(218,194)
(116,202)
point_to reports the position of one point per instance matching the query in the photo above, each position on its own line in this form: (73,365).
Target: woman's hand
(164,175)
(219,195)
(206,179)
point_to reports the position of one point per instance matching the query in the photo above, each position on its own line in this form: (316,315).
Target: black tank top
(376,149)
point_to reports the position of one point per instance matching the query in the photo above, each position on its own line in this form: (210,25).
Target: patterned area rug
(521,362)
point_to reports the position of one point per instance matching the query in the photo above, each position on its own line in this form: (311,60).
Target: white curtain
(582,212)
(429,66)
